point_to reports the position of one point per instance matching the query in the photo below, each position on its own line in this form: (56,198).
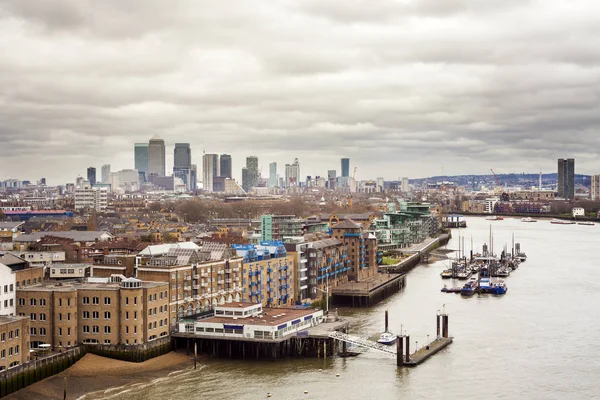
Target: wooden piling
(437,322)
(386,321)
(407,355)
(195,353)
(399,355)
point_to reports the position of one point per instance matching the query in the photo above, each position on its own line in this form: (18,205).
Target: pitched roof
(323,243)
(161,249)
(10,225)
(347,224)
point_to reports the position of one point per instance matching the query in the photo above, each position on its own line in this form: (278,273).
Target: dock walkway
(368,291)
(425,352)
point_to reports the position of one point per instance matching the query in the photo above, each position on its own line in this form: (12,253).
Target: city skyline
(453,89)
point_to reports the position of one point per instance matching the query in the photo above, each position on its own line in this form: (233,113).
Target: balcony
(188,278)
(204,284)
(220,281)
(236,269)
(204,275)
(228,280)
(196,276)
(196,287)
(220,272)
(227,270)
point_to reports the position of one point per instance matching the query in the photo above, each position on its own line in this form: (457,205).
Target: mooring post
(195,353)
(437,321)
(65,390)
(399,354)
(407,355)
(445,325)
(325,348)
(386,321)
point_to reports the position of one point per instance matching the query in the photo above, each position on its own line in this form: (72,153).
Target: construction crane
(496,178)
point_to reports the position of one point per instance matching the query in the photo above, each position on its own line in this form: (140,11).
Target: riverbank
(97,374)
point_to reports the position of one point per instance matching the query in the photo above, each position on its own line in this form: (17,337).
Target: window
(34,280)
(126,314)
(150,298)
(150,326)
(154,296)
(3,336)
(60,302)
(12,288)
(106,314)
(150,312)
(68,302)
(126,329)
(107,329)
(21,301)
(5,288)
(42,331)
(11,302)
(86,315)
(68,331)
(95,329)
(10,351)
(10,335)
(95,300)
(126,301)
(135,300)
(155,310)
(17,333)
(42,317)
(68,316)
(86,300)
(135,329)
(32,316)
(106,341)
(3,354)
(32,331)
(17,349)
(154,324)
(135,315)
(32,302)
(59,331)
(42,302)
(107,301)
(59,317)
(95,314)
(86,329)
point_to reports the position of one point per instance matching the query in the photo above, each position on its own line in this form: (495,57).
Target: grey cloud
(395,86)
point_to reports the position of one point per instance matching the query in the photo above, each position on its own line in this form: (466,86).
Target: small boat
(498,288)
(494,218)
(561,222)
(387,338)
(446,274)
(464,274)
(521,257)
(468,289)
(528,219)
(587,223)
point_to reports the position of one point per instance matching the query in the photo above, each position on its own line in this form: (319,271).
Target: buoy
(337,375)
(268,394)
(306,392)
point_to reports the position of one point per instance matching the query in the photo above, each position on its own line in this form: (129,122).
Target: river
(536,342)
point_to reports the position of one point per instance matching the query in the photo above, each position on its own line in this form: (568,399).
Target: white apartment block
(94,198)
(8,284)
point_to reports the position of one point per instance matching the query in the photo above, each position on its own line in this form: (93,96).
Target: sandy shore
(93,373)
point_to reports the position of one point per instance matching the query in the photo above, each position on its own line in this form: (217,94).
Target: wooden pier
(369,291)
(405,359)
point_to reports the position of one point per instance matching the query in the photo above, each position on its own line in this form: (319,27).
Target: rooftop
(6,319)
(58,286)
(10,225)
(269,317)
(347,224)
(77,236)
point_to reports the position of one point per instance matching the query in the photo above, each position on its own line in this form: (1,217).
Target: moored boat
(494,218)
(387,338)
(468,289)
(561,222)
(498,288)
(446,274)
(528,219)
(588,223)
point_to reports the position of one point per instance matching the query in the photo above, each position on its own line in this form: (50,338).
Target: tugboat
(468,289)
(498,288)
(387,338)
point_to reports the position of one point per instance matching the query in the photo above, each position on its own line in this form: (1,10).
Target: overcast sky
(403,88)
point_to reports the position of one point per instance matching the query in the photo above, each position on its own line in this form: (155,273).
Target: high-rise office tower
(194,178)
(210,169)
(595,192)
(245,179)
(345,167)
(91,175)
(225,166)
(566,178)
(106,173)
(273,174)
(331,178)
(141,159)
(292,174)
(156,157)
(405,186)
(252,166)
(182,163)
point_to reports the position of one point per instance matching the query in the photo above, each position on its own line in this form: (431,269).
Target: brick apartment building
(14,341)
(106,311)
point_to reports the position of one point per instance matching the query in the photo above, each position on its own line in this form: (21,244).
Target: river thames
(536,342)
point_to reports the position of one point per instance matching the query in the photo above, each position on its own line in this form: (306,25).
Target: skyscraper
(194,178)
(225,166)
(273,174)
(595,192)
(331,178)
(182,163)
(210,169)
(141,158)
(566,178)
(106,173)
(245,179)
(252,173)
(156,157)
(345,167)
(91,175)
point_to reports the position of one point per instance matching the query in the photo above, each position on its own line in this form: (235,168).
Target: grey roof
(77,236)
(10,259)
(346,224)
(323,243)
(10,225)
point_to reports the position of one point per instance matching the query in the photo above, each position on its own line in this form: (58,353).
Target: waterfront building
(268,273)
(361,248)
(490,204)
(566,178)
(182,163)
(210,163)
(277,227)
(199,277)
(595,190)
(329,265)
(156,157)
(243,320)
(141,159)
(106,173)
(91,175)
(273,174)
(225,166)
(14,341)
(115,310)
(94,198)
(299,251)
